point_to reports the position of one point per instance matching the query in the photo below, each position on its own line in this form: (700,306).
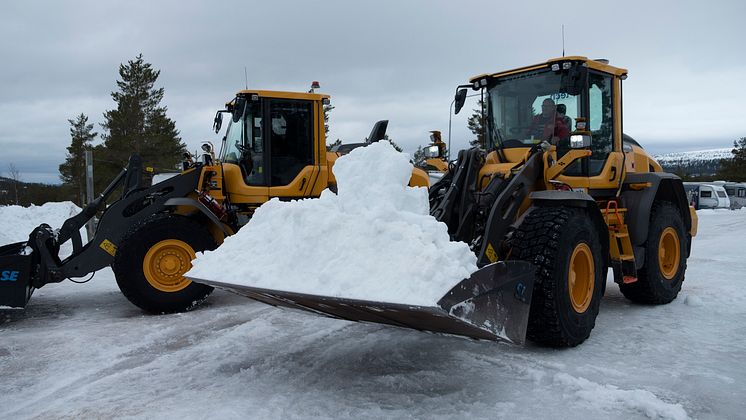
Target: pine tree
(15,176)
(72,171)
(331,146)
(327,109)
(418,158)
(396,146)
(477,123)
(386,137)
(734,169)
(138,125)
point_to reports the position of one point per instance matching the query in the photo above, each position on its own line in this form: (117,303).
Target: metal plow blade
(15,275)
(492,304)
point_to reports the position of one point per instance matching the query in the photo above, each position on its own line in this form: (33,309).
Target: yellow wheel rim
(581,278)
(669,253)
(165,264)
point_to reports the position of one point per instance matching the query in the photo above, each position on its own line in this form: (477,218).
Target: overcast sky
(391,60)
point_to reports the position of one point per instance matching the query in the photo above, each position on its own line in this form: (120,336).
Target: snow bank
(18,222)
(374,240)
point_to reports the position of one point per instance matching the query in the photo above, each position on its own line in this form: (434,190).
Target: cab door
(244,168)
(602,171)
(291,125)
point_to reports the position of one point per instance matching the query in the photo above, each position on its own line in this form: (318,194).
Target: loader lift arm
(483,218)
(36,262)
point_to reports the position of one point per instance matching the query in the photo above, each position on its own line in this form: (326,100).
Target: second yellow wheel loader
(559,196)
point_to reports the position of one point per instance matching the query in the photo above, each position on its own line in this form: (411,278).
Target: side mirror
(238,108)
(431,152)
(459,100)
(580,141)
(378,132)
(218,122)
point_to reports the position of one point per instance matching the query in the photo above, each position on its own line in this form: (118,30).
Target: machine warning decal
(491,254)
(109,247)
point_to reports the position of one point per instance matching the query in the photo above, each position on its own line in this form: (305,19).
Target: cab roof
(602,66)
(283,94)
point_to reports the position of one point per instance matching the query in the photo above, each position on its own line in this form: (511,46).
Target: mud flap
(15,275)
(492,304)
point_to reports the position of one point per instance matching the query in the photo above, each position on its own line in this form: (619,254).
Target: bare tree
(15,175)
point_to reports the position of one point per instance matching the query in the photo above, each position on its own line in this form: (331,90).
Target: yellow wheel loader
(436,159)
(560,195)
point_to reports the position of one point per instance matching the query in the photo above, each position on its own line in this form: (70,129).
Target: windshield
(242,143)
(528,108)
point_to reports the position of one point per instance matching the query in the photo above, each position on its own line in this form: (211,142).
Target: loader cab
(552,102)
(274,146)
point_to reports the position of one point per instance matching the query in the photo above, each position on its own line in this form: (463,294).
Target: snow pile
(18,221)
(374,240)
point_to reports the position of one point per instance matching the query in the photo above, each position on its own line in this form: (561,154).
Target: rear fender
(662,187)
(216,227)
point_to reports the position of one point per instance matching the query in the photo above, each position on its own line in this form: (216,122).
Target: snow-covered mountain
(694,156)
(696,162)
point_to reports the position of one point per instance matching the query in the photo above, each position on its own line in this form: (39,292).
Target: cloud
(384,59)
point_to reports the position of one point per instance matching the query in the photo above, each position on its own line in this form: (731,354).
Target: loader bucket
(492,304)
(15,275)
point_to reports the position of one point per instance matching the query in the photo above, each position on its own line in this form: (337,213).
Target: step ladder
(620,244)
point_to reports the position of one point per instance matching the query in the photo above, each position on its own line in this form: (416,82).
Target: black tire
(652,287)
(548,238)
(129,264)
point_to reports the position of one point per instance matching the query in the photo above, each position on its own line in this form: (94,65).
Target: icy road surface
(83,351)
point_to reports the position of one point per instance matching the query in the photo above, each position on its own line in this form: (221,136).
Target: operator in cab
(548,125)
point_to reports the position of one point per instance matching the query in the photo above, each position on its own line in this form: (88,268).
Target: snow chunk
(609,396)
(374,240)
(693,300)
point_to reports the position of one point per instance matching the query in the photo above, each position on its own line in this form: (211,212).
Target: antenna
(563,39)
(246,76)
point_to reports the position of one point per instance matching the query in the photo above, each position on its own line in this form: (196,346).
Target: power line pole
(89,188)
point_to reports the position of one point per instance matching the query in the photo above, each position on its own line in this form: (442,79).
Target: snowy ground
(83,351)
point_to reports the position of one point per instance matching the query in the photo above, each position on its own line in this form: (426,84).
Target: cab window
(290,139)
(600,120)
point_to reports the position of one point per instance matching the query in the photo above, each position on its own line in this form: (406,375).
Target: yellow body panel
(419,178)
(638,160)
(437,163)
(239,192)
(695,221)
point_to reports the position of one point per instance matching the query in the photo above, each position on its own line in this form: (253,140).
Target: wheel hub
(669,253)
(166,262)
(581,277)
